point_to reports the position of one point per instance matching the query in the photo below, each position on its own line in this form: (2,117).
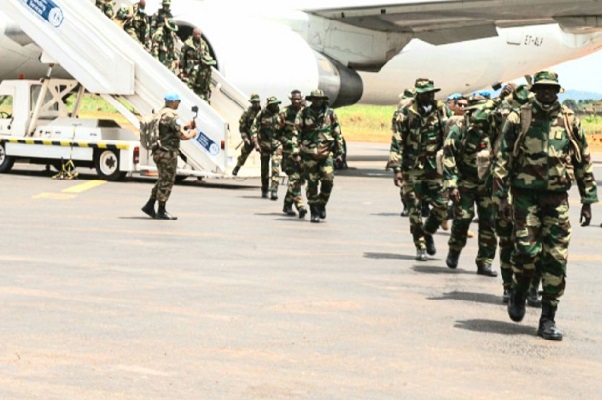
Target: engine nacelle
(272,60)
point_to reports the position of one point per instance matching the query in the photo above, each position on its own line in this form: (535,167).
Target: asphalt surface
(237,301)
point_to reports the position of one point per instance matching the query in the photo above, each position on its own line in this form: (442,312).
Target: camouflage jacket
(541,158)
(107,7)
(266,130)
(192,53)
(245,123)
(291,119)
(394,149)
(319,128)
(163,46)
(169,129)
(418,139)
(138,26)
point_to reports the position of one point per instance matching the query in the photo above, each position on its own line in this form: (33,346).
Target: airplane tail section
(105,60)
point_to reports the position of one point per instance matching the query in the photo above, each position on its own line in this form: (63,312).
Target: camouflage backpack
(149,130)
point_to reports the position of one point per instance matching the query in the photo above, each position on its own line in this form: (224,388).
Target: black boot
(322,211)
(264,194)
(486,270)
(163,214)
(430,244)
(547,327)
(506,295)
(533,299)
(516,305)
(149,208)
(452,259)
(288,210)
(302,211)
(274,196)
(315,214)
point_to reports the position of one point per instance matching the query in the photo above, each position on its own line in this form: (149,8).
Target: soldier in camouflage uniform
(320,137)
(193,51)
(539,144)
(107,7)
(165,155)
(162,14)
(163,44)
(466,138)
(291,160)
(137,25)
(421,128)
(244,127)
(199,79)
(265,135)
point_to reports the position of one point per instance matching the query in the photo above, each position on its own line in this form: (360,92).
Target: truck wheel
(107,165)
(6,162)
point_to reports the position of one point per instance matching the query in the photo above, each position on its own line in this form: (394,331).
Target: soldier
(193,50)
(199,79)
(265,135)
(422,130)
(162,14)
(165,155)
(163,44)
(137,25)
(462,145)
(244,127)
(539,144)
(320,137)
(291,161)
(107,7)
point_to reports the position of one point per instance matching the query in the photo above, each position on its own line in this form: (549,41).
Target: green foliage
(366,122)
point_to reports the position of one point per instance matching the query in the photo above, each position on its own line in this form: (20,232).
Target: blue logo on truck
(47,9)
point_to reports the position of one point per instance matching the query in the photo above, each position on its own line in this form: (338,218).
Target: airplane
(365,51)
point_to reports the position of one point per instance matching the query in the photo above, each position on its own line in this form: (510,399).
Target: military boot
(315,213)
(453,257)
(235,170)
(421,255)
(288,210)
(506,295)
(322,211)
(149,208)
(533,299)
(274,196)
(486,270)
(547,326)
(516,305)
(264,194)
(163,214)
(430,244)
(302,211)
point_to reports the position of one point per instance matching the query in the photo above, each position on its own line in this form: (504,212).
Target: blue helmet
(173,96)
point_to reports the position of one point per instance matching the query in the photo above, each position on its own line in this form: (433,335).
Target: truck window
(6,107)
(51,107)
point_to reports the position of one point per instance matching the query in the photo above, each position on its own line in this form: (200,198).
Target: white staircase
(105,60)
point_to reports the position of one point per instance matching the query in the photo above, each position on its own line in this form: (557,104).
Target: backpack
(149,131)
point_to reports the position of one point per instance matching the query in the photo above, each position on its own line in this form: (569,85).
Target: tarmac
(235,300)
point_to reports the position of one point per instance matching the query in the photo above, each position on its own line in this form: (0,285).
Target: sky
(584,74)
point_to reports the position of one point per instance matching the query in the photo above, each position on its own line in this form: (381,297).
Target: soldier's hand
(398,179)
(586,214)
(192,124)
(454,195)
(257,148)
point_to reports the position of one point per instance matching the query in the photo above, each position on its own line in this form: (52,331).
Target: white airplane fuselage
(272,51)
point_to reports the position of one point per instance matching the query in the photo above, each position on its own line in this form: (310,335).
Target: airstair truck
(36,126)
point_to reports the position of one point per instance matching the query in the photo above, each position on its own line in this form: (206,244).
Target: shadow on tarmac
(485,298)
(493,326)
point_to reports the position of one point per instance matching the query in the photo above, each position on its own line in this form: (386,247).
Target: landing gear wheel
(106,163)
(6,162)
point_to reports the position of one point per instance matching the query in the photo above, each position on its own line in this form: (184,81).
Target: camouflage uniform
(461,146)
(421,135)
(244,127)
(107,7)
(163,45)
(320,136)
(193,52)
(539,144)
(199,78)
(138,26)
(265,135)
(163,14)
(291,165)
(166,155)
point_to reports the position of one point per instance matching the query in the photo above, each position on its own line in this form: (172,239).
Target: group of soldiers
(514,156)
(304,141)
(190,60)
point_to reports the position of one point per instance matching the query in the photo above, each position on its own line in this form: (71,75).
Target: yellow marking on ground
(53,196)
(84,186)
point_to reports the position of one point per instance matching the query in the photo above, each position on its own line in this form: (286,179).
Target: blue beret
(172,97)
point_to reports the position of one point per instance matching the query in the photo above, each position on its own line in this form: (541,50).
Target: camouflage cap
(424,85)
(171,25)
(408,94)
(254,97)
(272,100)
(317,94)
(547,78)
(166,2)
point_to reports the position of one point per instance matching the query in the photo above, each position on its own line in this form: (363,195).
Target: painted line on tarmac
(82,187)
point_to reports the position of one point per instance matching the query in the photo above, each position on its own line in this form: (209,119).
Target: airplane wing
(447,21)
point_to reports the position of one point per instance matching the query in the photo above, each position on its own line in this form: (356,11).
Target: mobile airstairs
(108,62)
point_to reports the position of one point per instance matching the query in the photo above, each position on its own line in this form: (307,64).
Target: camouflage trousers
(273,159)
(542,229)
(167,166)
(295,181)
(472,193)
(245,150)
(320,179)
(433,193)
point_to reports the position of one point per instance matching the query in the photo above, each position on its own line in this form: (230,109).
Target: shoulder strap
(526,116)
(569,121)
